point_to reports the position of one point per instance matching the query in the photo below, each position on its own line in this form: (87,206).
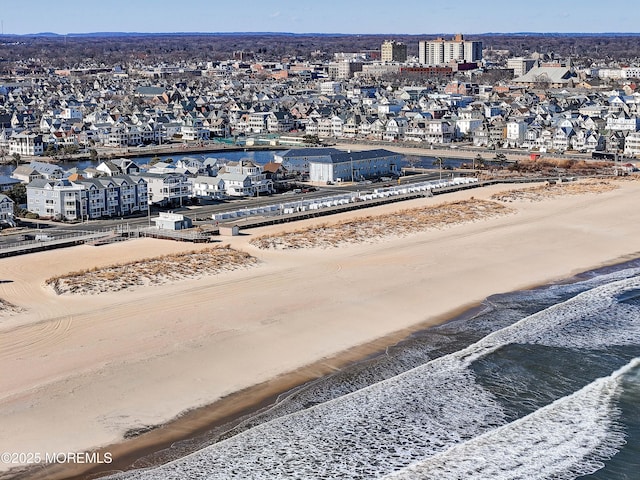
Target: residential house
(469,119)
(350,127)
(193,130)
(167,189)
(26,173)
(235,184)
(632,145)
(438,131)
(191,166)
(245,178)
(34,170)
(126,166)
(274,171)
(279,122)
(7,183)
(208,187)
(516,129)
(396,128)
(622,122)
(6,211)
(107,167)
(258,122)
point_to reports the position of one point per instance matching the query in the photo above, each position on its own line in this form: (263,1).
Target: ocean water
(538,384)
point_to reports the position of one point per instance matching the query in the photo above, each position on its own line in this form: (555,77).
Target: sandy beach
(80,371)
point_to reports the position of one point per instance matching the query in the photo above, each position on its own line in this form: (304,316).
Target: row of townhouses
(79,199)
(119,187)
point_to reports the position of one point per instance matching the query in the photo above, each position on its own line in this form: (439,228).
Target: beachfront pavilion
(354,166)
(297,160)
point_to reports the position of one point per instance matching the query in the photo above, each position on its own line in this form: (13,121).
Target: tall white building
(441,51)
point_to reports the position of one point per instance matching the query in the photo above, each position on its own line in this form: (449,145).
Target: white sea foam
(568,438)
(366,434)
(592,319)
(433,408)
(588,283)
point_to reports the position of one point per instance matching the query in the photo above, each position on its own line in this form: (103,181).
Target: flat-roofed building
(520,65)
(392,51)
(441,51)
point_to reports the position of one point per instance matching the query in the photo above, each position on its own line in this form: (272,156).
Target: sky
(320,16)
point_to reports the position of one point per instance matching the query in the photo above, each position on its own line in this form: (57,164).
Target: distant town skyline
(413,17)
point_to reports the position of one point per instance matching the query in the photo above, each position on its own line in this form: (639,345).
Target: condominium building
(64,199)
(26,143)
(441,51)
(392,51)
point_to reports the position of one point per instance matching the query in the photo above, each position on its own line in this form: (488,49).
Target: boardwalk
(50,240)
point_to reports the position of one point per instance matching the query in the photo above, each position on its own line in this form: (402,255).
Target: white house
(516,130)
(193,129)
(632,145)
(167,189)
(208,187)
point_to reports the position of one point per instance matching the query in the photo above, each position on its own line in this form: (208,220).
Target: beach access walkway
(37,242)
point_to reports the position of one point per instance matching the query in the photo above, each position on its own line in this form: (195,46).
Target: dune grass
(543,192)
(151,271)
(372,228)
(8,308)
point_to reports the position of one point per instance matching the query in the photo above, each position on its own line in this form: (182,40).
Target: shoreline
(226,413)
(229,411)
(434,275)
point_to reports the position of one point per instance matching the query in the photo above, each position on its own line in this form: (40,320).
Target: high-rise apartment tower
(441,51)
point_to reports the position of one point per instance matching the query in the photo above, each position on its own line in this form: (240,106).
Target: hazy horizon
(373,17)
(426,34)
